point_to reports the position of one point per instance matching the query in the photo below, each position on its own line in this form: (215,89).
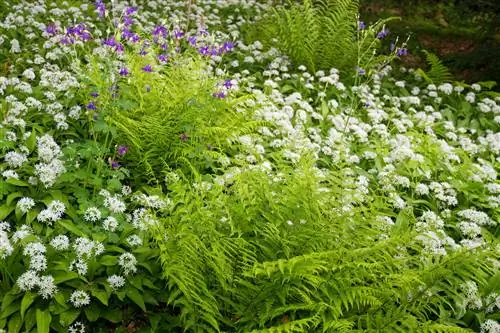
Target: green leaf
(17,182)
(137,298)
(93,313)
(5,211)
(15,323)
(68,317)
(30,320)
(68,225)
(7,300)
(28,299)
(108,260)
(12,196)
(60,277)
(114,316)
(103,296)
(31,142)
(14,307)
(43,319)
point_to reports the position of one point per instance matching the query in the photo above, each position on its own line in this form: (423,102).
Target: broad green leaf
(68,317)
(108,260)
(28,299)
(68,225)
(30,319)
(5,211)
(114,316)
(101,295)
(17,182)
(13,196)
(7,300)
(43,319)
(93,313)
(137,298)
(15,324)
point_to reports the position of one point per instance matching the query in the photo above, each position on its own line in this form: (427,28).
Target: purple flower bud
(130,10)
(228,84)
(111,41)
(361,25)
(115,164)
(127,20)
(227,47)
(402,52)
(383,33)
(178,34)
(94,94)
(147,68)
(101,8)
(123,71)
(51,29)
(91,106)
(119,47)
(122,150)
(192,40)
(360,71)
(163,58)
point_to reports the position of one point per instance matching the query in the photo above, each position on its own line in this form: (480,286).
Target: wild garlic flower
(92,214)
(79,298)
(60,243)
(116,281)
(25,204)
(128,262)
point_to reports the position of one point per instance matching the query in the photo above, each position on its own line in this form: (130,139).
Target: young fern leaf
(438,73)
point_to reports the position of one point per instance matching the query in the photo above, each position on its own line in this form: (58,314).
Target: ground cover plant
(228,166)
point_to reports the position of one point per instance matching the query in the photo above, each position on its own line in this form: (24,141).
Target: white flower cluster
(85,250)
(52,213)
(51,166)
(128,263)
(31,280)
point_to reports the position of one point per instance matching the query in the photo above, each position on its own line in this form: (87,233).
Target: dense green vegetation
(237,166)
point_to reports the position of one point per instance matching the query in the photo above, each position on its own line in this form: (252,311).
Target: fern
(437,73)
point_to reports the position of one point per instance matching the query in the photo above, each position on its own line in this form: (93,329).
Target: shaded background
(465,34)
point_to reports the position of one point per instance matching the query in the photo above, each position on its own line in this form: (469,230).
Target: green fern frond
(437,73)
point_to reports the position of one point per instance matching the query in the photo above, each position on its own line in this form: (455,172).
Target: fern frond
(438,73)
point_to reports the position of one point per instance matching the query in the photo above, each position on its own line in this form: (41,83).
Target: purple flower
(127,20)
(163,58)
(94,94)
(360,70)
(111,41)
(361,25)
(119,47)
(147,68)
(115,164)
(402,52)
(228,84)
(178,34)
(227,46)
(91,106)
(204,50)
(192,40)
(130,10)
(158,31)
(101,8)
(122,150)
(219,94)
(123,71)
(51,29)
(383,33)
